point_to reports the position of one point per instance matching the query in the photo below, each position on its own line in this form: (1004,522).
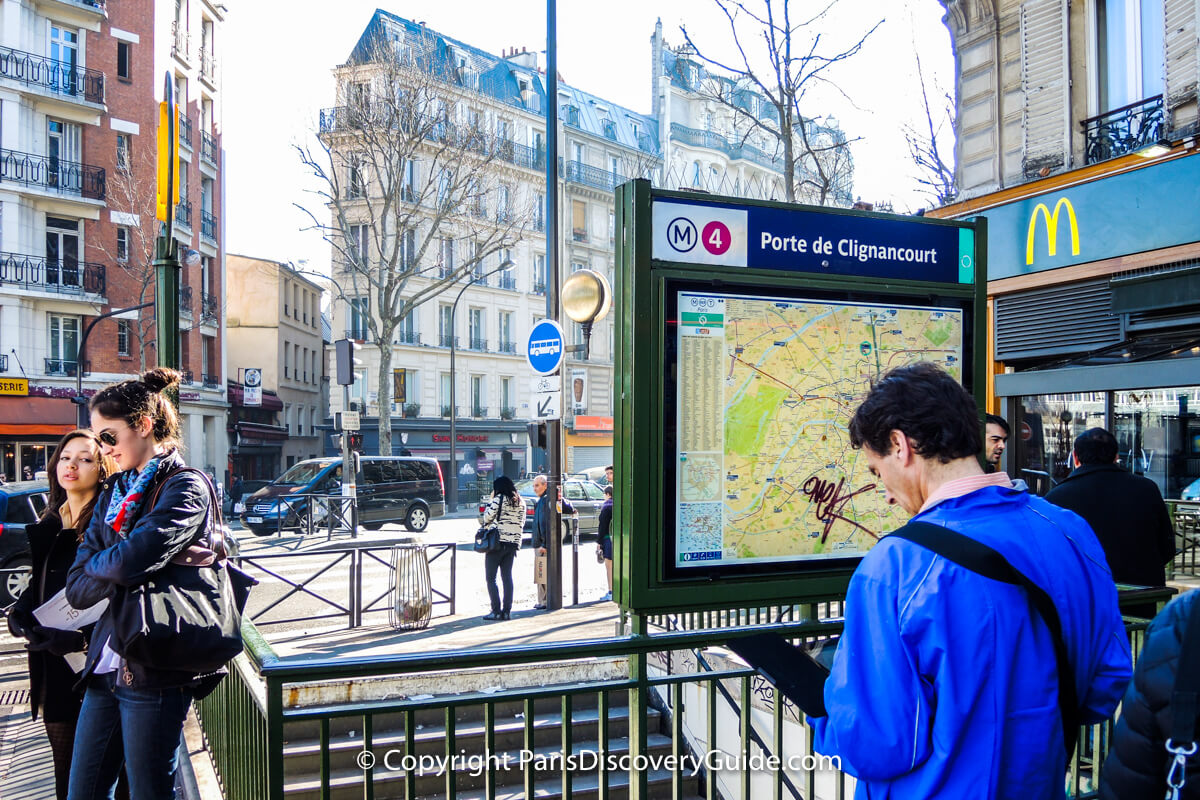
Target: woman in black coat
(1137,762)
(75,472)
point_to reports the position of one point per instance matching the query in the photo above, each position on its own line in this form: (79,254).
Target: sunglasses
(107,437)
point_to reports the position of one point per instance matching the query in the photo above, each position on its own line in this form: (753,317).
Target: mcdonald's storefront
(1094,315)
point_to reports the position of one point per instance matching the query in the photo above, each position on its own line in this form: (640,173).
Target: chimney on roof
(524,58)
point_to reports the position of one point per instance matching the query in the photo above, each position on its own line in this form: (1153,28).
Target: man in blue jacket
(945,682)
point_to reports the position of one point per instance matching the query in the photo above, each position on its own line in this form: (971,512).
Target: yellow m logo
(1051,228)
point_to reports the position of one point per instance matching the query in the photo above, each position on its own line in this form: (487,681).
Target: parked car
(21,503)
(1192,492)
(585,496)
(389,489)
(595,475)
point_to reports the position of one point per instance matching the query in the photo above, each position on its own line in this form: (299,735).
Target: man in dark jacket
(541,538)
(1137,761)
(1126,511)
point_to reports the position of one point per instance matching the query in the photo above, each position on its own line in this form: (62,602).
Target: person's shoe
(606,597)
(505,615)
(495,615)
(539,606)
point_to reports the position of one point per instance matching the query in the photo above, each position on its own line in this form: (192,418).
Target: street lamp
(452,493)
(81,352)
(586,299)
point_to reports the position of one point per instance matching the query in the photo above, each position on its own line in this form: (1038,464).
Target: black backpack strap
(983,560)
(1186,692)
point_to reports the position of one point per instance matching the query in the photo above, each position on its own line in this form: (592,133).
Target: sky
(278,57)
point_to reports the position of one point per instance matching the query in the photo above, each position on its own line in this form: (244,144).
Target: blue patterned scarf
(127,495)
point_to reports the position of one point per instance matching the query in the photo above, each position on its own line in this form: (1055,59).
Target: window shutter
(1044,80)
(1056,321)
(1181,58)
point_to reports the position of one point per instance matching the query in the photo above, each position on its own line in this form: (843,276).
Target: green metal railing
(675,706)
(1185,517)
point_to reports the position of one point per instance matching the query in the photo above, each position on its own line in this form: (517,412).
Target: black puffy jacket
(1137,763)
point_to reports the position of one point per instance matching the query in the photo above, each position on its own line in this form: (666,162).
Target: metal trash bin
(412,594)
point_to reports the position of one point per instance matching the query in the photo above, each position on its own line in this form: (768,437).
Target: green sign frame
(644,583)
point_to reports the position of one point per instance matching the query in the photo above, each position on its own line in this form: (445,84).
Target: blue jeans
(119,723)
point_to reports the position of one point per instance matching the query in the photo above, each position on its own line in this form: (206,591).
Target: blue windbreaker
(944,684)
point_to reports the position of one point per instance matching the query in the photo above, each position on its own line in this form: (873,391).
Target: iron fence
(185,130)
(52,275)
(57,77)
(208,226)
(1124,130)
(53,174)
(1185,517)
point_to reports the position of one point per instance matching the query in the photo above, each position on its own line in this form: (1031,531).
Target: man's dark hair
(932,409)
(992,419)
(1096,446)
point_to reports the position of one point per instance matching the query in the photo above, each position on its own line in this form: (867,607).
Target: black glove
(19,622)
(55,641)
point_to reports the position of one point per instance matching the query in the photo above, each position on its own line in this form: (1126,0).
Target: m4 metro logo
(1041,211)
(699,234)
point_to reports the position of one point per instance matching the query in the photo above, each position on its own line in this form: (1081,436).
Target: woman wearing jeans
(145,516)
(507,512)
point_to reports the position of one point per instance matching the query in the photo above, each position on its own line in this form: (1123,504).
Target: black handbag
(187,616)
(487,540)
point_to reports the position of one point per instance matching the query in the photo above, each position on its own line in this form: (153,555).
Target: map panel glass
(766,389)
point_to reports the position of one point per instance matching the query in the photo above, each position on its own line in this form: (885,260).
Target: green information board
(748,332)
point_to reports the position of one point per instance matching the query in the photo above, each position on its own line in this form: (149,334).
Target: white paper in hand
(58,613)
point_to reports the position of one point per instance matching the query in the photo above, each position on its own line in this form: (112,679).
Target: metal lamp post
(452,492)
(81,351)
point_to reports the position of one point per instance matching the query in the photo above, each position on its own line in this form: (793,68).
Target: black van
(389,489)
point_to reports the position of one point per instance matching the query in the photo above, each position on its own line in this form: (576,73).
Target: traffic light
(355,441)
(344,351)
(537,435)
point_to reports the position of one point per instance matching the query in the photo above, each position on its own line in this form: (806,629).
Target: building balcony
(479,412)
(60,276)
(508,412)
(508,282)
(186,377)
(587,175)
(732,149)
(61,368)
(539,287)
(185,130)
(478,343)
(208,148)
(51,174)
(209,308)
(358,333)
(446,340)
(507,347)
(183,214)
(480,279)
(181,41)
(408,337)
(208,68)
(53,77)
(446,411)
(210,381)
(185,300)
(1124,130)
(208,226)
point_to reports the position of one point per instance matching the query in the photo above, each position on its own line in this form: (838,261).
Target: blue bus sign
(544,350)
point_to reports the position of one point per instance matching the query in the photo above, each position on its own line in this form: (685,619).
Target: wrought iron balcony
(56,77)
(578,172)
(183,213)
(508,347)
(408,337)
(53,174)
(208,148)
(478,343)
(208,66)
(185,130)
(715,141)
(508,412)
(208,226)
(185,300)
(1124,130)
(186,377)
(480,277)
(579,234)
(507,282)
(446,340)
(62,276)
(210,381)
(358,333)
(181,41)
(209,308)
(479,412)
(61,368)
(539,287)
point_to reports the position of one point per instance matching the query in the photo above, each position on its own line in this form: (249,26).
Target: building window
(1130,50)
(506,398)
(445,391)
(478,398)
(64,344)
(123,149)
(408,248)
(356,184)
(359,317)
(478,334)
(579,220)
(122,337)
(122,243)
(504,331)
(124,61)
(445,324)
(356,246)
(408,186)
(503,206)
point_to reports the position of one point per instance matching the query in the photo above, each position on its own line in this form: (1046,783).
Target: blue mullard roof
(501,79)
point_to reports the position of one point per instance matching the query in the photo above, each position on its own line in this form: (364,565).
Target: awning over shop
(37,416)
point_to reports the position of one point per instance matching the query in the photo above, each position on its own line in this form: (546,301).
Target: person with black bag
(1154,747)
(75,472)
(149,517)
(506,512)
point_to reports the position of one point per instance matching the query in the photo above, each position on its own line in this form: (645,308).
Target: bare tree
(421,189)
(926,145)
(815,156)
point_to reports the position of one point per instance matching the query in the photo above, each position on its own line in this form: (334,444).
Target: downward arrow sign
(544,407)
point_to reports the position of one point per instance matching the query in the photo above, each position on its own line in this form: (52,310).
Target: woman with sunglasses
(145,516)
(75,472)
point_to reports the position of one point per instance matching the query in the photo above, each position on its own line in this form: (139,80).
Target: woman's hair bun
(161,378)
